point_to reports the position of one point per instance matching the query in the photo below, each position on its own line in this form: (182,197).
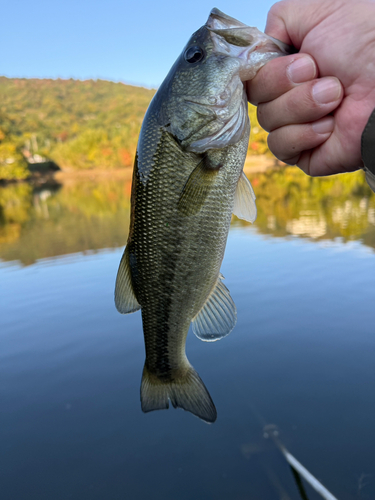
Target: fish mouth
(236,39)
(224,110)
(218,20)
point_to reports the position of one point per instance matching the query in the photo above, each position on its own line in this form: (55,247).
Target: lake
(302,355)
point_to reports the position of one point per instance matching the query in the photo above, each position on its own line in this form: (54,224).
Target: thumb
(276,22)
(291,20)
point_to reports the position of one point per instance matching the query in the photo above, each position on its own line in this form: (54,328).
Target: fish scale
(187,181)
(165,270)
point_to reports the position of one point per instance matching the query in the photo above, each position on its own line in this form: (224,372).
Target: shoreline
(253,165)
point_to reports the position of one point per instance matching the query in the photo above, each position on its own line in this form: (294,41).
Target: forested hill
(76,124)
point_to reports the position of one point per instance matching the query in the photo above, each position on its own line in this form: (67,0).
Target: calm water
(302,355)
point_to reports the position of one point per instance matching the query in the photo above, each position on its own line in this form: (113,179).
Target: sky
(132,41)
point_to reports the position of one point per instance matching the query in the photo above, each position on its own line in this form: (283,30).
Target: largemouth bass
(187,182)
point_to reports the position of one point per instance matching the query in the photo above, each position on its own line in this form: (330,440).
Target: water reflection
(291,203)
(302,352)
(78,216)
(86,214)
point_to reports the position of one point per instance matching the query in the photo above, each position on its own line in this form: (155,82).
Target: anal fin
(125,299)
(244,200)
(218,316)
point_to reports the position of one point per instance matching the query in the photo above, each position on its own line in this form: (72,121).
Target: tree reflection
(87,214)
(291,203)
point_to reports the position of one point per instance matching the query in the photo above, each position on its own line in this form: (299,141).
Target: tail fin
(186,391)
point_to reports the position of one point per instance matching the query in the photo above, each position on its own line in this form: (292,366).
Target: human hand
(315,121)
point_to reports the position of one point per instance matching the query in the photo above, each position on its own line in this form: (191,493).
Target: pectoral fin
(218,316)
(125,299)
(244,200)
(197,187)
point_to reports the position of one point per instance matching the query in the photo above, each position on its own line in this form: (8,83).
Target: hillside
(76,124)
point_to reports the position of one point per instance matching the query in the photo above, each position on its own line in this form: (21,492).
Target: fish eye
(194,54)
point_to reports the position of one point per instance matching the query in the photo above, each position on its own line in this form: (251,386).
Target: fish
(188,179)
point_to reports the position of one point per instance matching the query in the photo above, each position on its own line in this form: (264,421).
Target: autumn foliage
(77,124)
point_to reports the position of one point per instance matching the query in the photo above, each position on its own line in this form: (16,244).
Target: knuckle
(273,144)
(305,162)
(301,102)
(262,116)
(289,157)
(276,10)
(307,136)
(255,89)
(261,83)
(292,161)
(288,142)
(292,107)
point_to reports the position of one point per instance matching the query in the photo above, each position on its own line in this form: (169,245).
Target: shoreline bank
(253,164)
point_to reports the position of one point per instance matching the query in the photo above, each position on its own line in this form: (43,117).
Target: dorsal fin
(125,299)
(244,200)
(218,316)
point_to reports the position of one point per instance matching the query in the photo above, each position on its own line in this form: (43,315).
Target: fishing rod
(271,431)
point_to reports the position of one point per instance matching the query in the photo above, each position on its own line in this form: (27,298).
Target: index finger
(279,76)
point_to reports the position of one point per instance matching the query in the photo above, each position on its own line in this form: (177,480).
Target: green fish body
(187,182)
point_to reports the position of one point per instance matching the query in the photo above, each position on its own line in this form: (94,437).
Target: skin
(319,132)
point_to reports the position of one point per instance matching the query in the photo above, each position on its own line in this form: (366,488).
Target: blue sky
(133,41)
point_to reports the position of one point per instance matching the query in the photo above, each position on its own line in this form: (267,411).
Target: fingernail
(326,90)
(301,70)
(324,126)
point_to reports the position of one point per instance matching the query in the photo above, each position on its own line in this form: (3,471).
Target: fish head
(203,101)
